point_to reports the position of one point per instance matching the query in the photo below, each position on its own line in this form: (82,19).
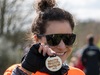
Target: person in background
(76,60)
(79,64)
(53,34)
(73,61)
(91,57)
(78,54)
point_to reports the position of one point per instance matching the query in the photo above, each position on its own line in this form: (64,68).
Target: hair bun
(45,4)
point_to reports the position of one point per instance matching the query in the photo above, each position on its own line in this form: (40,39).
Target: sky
(82,9)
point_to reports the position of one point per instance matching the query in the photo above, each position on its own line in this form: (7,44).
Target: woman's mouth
(60,53)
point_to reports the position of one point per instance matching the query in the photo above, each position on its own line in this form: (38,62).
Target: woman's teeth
(60,54)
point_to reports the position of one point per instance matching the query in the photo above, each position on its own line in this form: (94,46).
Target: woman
(53,33)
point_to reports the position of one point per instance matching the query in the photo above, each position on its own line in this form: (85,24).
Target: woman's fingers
(43,49)
(40,49)
(50,52)
(46,50)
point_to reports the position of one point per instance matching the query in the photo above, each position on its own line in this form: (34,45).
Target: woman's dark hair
(48,12)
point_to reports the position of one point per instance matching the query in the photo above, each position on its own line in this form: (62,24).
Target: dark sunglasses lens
(53,39)
(69,39)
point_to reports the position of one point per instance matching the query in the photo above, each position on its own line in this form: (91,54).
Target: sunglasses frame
(68,39)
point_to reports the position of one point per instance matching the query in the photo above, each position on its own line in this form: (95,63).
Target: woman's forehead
(55,27)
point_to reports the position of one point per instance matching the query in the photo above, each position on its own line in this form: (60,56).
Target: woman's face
(59,27)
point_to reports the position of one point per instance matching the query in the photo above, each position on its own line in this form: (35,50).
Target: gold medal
(53,63)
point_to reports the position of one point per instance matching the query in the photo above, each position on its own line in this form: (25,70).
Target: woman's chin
(63,56)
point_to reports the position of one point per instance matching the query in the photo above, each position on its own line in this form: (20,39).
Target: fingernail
(42,44)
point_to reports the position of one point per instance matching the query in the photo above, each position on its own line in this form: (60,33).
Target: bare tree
(13,18)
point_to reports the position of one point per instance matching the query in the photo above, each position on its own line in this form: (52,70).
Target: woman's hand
(35,59)
(44,49)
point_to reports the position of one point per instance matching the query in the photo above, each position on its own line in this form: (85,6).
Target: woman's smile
(61,53)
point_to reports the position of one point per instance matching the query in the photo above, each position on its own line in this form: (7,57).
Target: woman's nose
(61,45)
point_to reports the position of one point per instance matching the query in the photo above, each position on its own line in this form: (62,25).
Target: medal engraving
(53,63)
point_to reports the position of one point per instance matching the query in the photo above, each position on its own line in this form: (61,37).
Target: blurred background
(16,17)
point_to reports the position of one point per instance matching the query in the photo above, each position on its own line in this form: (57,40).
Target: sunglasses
(55,39)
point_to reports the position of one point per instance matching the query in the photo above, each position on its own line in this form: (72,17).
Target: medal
(53,63)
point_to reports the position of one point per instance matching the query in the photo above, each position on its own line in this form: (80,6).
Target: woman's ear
(35,38)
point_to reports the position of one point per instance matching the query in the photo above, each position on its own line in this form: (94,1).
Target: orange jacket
(71,71)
